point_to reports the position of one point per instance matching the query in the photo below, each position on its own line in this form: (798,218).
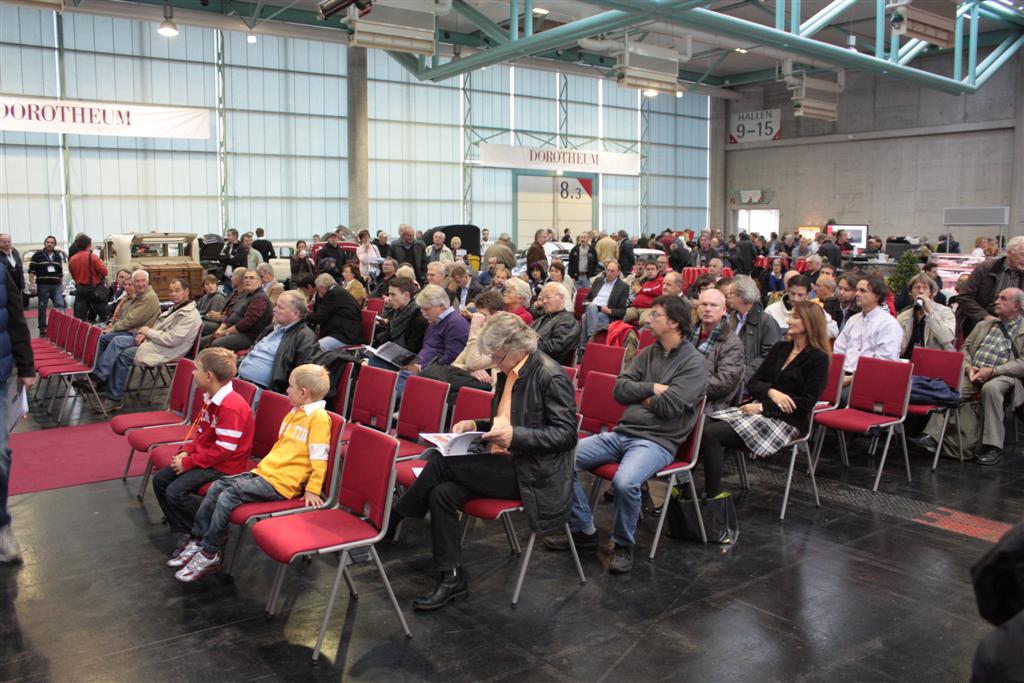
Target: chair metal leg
(842,449)
(595,492)
(128,465)
(526,563)
(145,481)
(741,467)
(789,481)
(575,556)
(959,435)
(942,436)
(330,605)
(662,516)
(96,395)
(906,453)
(391,593)
(814,482)
(881,465)
(275,589)
(696,507)
(352,592)
(510,533)
(236,551)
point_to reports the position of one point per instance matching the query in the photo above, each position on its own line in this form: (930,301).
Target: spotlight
(540,11)
(250,38)
(741,50)
(649,92)
(168,28)
(679,93)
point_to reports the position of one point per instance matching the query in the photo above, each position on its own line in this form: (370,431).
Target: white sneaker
(199,566)
(10,551)
(183,554)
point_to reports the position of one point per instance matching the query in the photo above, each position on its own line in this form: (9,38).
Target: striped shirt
(223,434)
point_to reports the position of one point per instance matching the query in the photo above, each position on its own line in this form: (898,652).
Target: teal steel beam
(907,56)
(997,11)
(958,48)
(825,16)
(763,75)
(996,53)
(513,19)
(972,46)
(527,18)
(880,29)
(480,20)
(794,16)
(894,47)
(997,63)
(780,15)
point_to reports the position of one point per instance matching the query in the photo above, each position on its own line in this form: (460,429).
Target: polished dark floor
(857,590)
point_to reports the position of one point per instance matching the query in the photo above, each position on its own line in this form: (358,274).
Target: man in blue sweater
(447,332)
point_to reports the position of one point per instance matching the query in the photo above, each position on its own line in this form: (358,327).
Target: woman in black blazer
(785,389)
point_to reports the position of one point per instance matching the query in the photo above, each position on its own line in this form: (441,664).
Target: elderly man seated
(212,319)
(136,312)
(335,314)
(170,338)
(926,323)
(556,327)
(268,282)
(715,266)
(646,290)
(605,302)
(757,332)
(249,315)
(797,289)
(993,368)
(283,346)
(446,337)
(713,337)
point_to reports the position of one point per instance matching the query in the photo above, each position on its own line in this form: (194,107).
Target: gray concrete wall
(898,155)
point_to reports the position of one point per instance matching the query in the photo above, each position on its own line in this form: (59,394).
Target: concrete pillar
(1017,186)
(358,147)
(718,216)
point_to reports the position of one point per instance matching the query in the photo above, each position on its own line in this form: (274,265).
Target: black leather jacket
(559,334)
(543,439)
(298,347)
(406,328)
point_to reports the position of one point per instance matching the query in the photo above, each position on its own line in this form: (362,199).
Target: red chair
(146,438)
(681,467)
(599,358)
(81,365)
(572,374)
(359,520)
(376,305)
(177,405)
(828,401)
(645,339)
(369,320)
(496,508)
(374,402)
(247,514)
(344,390)
(581,297)
(424,403)
(599,411)
(470,404)
(878,400)
(690,276)
(74,338)
(55,322)
(944,365)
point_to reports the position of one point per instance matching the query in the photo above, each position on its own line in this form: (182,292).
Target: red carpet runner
(68,456)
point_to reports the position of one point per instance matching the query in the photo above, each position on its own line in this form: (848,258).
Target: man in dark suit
(408,249)
(606,301)
(336,313)
(232,256)
(466,289)
(263,245)
(626,257)
(829,250)
(745,254)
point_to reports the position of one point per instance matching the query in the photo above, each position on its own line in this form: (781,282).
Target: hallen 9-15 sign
(755,126)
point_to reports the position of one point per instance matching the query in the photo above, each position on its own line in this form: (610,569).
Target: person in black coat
(785,390)
(744,255)
(627,259)
(535,426)
(829,250)
(331,250)
(406,326)
(408,249)
(232,256)
(264,246)
(679,256)
(336,313)
(583,277)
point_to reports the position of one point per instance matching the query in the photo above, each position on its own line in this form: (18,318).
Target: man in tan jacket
(169,339)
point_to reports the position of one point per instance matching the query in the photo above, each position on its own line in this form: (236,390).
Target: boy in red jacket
(221,444)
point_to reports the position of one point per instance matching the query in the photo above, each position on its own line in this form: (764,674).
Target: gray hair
(296,299)
(716,262)
(519,288)
(506,331)
(141,272)
(559,289)
(239,273)
(1015,243)
(925,279)
(325,280)
(433,296)
(746,289)
(435,265)
(814,258)
(265,269)
(504,237)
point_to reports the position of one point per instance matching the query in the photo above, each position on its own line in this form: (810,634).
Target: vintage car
(164,255)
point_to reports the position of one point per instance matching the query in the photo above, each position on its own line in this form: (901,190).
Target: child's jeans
(225,495)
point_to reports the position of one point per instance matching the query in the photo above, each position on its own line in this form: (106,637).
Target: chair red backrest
(270,413)
(369,320)
(376,305)
(834,387)
(690,448)
(599,411)
(344,388)
(572,374)
(181,382)
(581,296)
(645,339)
(84,332)
(91,347)
(423,405)
(366,477)
(64,332)
(472,404)
(247,390)
(374,400)
(881,386)
(55,325)
(600,358)
(197,403)
(944,365)
(334,456)
(727,272)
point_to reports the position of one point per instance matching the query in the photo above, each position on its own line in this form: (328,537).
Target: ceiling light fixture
(168,28)
(679,93)
(541,11)
(741,50)
(250,38)
(649,92)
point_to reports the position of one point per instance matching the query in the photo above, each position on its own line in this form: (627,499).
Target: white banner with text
(556,159)
(44,115)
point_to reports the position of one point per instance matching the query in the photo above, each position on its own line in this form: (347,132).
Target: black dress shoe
(582,541)
(622,559)
(453,584)
(926,442)
(990,456)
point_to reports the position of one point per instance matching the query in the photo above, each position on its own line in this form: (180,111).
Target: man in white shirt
(797,289)
(872,333)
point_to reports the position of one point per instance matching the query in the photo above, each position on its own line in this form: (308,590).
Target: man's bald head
(1010,303)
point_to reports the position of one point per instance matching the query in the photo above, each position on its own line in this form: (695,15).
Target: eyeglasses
(654,315)
(499,359)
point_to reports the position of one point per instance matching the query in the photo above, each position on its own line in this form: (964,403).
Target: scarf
(708,344)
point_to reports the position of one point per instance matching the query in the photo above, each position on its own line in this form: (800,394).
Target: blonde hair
(221,363)
(406,271)
(313,378)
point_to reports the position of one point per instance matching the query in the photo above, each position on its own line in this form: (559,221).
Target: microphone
(918,304)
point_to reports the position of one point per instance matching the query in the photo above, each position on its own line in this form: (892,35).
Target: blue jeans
(225,495)
(45,294)
(593,320)
(119,373)
(638,460)
(5,456)
(111,346)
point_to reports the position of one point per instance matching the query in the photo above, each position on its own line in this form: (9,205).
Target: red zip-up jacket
(649,291)
(223,440)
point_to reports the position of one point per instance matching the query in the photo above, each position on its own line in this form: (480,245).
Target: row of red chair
(69,351)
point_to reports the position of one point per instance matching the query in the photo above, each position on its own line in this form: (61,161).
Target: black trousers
(174,494)
(85,309)
(716,438)
(444,485)
(455,377)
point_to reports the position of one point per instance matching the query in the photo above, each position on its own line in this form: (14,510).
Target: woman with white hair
(517,297)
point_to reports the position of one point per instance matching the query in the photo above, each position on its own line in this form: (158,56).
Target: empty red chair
(878,400)
(424,403)
(177,405)
(146,438)
(74,339)
(572,374)
(581,296)
(343,392)
(944,365)
(376,305)
(55,322)
(359,520)
(83,363)
(369,320)
(829,400)
(374,402)
(599,358)
(599,411)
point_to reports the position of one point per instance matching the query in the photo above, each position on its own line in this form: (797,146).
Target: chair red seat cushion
(921,409)
(150,418)
(241,514)
(407,448)
(282,538)
(606,471)
(822,405)
(142,439)
(161,456)
(403,471)
(490,508)
(852,420)
(61,369)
